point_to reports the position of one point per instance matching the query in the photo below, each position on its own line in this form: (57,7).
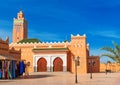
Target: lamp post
(77,63)
(91,64)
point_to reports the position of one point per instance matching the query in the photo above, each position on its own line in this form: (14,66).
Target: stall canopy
(3,57)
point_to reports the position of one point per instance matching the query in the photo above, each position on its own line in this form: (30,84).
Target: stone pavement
(65,78)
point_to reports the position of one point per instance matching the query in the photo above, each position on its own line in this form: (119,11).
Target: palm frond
(117,59)
(108,55)
(113,53)
(109,49)
(117,48)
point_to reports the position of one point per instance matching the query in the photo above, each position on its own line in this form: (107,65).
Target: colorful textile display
(10,69)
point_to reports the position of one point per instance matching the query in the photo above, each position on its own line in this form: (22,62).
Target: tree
(113,53)
(65,40)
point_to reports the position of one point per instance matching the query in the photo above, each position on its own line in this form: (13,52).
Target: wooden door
(42,65)
(58,64)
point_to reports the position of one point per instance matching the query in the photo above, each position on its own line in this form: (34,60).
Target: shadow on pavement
(6,81)
(34,76)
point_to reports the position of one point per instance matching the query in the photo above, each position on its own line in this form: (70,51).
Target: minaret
(20,30)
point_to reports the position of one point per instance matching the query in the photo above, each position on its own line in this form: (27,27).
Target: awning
(3,57)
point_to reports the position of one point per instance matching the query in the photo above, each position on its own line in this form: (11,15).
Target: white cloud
(112,34)
(46,36)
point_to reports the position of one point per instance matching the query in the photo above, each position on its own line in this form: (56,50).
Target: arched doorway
(42,65)
(58,64)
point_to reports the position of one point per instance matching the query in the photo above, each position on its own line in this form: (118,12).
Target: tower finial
(20,14)
(20,8)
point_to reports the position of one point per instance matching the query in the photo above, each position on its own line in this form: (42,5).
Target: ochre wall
(16,54)
(78,48)
(26,54)
(96,66)
(114,67)
(69,61)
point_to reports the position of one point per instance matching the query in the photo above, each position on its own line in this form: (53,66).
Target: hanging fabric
(13,69)
(3,70)
(6,72)
(10,68)
(21,68)
(9,73)
(0,73)
(0,69)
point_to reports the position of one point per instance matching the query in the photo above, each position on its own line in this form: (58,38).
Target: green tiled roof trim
(33,40)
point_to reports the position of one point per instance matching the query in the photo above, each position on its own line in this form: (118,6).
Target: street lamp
(77,63)
(91,64)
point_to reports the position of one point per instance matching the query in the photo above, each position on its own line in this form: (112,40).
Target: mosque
(52,56)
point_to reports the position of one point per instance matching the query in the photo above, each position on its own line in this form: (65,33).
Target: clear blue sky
(56,20)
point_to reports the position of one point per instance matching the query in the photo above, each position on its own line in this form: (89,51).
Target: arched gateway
(58,64)
(50,62)
(42,65)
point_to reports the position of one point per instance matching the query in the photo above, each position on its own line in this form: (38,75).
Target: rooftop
(33,40)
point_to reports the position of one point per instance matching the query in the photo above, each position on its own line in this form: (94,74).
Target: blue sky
(56,20)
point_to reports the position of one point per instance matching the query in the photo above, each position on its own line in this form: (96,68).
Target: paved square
(65,78)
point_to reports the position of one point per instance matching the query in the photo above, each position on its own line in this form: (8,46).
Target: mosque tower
(20,28)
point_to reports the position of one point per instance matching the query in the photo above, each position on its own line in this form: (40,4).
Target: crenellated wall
(43,44)
(77,47)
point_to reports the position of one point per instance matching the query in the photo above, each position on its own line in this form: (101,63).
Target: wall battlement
(76,41)
(78,35)
(43,44)
(6,41)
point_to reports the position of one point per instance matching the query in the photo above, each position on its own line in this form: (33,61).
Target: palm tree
(113,53)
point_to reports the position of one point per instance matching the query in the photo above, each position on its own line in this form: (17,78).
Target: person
(27,69)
